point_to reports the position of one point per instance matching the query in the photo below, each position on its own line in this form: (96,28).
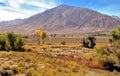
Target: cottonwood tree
(37,32)
(41,35)
(10,41)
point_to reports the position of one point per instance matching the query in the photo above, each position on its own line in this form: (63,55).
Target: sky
(19,9)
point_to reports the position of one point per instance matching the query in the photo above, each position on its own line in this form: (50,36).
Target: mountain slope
(66,19)
(12,22)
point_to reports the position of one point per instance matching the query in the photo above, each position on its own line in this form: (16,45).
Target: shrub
(94,64)
(14,68)
(107,61)
(115,33)
(89,42)
(11,41)
(102,50)
(31,72)
(109,57)
(115,36)
(63,42)
(118,56)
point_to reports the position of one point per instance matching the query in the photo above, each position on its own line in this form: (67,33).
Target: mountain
(64,19)
(116,17)
(12,22)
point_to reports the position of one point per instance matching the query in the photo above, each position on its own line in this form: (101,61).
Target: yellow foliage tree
(43,36)
(37,32)
(50,38)
(40,36)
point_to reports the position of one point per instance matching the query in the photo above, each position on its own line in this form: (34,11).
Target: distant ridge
(63,19)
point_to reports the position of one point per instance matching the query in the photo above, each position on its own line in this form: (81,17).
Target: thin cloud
(24,8)
(111,8)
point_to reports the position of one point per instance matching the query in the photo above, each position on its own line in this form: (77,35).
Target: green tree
(2,42)
(89,41)
(11,41)
(115,35)
(18,43)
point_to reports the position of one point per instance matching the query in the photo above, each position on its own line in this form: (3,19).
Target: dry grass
(54,59)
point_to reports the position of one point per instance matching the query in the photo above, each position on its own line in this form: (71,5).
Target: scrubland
(53,60)
(61,57)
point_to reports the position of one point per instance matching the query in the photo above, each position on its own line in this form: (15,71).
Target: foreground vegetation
(48,64)
(88,58)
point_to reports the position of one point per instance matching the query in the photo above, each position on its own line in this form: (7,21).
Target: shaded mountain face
(65,19)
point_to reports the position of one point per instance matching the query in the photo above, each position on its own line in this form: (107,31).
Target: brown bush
(93,64)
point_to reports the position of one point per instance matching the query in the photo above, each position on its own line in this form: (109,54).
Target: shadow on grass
(112,68)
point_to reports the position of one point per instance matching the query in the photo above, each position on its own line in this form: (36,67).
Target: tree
(18,43)
(89,41)
(2,42)
(11,41)
(37,32)
(50,38)
(41,35)
(115,35)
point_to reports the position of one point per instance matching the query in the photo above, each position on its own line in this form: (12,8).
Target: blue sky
(13,9)
(110,7)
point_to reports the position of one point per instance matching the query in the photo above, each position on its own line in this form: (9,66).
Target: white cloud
(42,4)
(13,9)
(14,3)
(6,16)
